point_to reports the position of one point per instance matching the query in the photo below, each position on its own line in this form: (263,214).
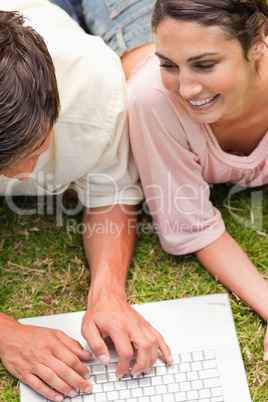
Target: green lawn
(44,270)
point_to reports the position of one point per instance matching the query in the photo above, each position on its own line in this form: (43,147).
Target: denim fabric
(123,24)
(74,9)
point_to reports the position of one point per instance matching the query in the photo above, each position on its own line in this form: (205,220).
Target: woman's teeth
(201,102)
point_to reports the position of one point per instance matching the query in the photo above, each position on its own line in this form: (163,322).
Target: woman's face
(206,72)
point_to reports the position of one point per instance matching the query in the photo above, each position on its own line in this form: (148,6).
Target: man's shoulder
(63,36)
(89,74)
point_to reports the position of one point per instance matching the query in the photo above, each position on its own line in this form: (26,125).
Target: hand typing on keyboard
(192,377)
(110,315)
(46,359)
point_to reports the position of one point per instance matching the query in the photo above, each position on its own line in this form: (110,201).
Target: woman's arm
(227,261)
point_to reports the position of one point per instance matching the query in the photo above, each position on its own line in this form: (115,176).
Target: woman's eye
(168,65)
(207,66)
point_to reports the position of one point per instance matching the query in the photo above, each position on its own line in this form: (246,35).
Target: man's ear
(257,49)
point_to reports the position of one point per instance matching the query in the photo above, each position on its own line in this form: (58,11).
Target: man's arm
(109,243)
(227,261)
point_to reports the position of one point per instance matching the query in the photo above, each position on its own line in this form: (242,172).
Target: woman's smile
(203,104)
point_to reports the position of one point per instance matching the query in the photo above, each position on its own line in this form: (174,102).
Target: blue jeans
(123,24)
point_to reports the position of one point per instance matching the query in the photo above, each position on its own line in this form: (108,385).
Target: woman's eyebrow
(163,57)
(191,59)
(200,56)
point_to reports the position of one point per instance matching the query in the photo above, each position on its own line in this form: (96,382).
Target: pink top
(177,158)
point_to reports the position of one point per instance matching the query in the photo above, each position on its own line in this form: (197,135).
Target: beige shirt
(90,142)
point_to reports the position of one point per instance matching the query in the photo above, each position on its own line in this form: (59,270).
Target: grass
(44,270)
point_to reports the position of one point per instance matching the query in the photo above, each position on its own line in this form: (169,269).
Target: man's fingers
(56,382)
(61,369)
(145,344)
(129,332)
(47,360)
(70,378)
(163,347)
(71,361)
(147,350)
(97,345)
(42,388)
(73,375)
(52,379)
(74,346)
(125,352)
(150,341)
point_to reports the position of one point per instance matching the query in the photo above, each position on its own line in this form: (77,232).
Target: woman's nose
(189,87)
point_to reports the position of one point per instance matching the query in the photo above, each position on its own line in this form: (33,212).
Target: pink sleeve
(171,176)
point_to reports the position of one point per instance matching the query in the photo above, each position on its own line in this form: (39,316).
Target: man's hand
(110,315)
(46,359)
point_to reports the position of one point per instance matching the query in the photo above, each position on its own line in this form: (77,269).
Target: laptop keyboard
(192,377)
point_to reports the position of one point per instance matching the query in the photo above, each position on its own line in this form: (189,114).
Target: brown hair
(29,98)
(244,20)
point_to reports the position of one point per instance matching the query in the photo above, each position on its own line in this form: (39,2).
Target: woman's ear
(258,48)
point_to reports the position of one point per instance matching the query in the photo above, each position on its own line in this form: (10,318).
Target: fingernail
(72,394)
(87,375)
(103,359)
(265,356)
(59,398)
(87,352)
(170,359)
(88,390)
(136,374)
(119,376)
(147,370)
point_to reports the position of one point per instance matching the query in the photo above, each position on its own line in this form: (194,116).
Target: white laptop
(207,366)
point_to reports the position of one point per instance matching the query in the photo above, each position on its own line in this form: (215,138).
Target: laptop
(201,333)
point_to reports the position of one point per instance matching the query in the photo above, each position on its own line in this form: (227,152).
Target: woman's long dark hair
(244,20)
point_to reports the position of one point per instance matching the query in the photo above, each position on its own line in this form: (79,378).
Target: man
(88,145)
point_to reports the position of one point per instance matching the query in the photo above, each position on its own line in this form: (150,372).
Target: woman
(201,118)
(88,147)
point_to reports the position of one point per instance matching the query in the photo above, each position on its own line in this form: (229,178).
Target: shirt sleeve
(171,175)
(96,105)
(113,178)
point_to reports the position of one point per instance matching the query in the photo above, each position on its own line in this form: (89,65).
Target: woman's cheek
(169,81)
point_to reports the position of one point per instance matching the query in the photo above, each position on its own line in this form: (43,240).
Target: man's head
(29,98)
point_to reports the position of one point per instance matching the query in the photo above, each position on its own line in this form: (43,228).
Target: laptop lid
(195,328)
